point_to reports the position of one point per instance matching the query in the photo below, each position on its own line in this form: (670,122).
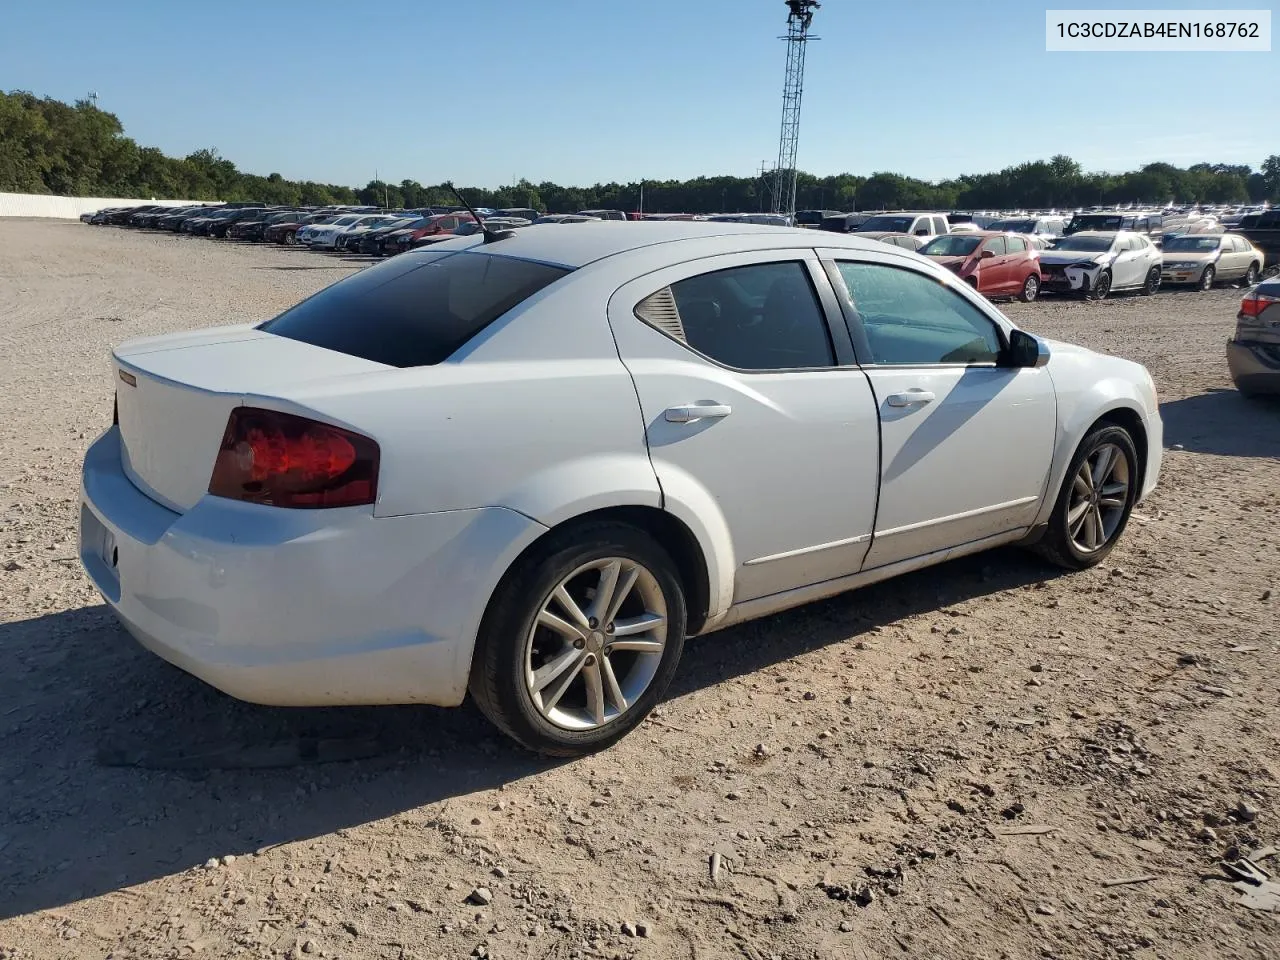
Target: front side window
(765,316)
(1016,244)
(910,318)
(415,310)
(994,246)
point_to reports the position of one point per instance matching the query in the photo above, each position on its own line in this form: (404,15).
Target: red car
(996,264)
(443,223)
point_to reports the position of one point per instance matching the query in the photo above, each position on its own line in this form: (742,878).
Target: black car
(120,217)
(844,222)
(381,243)
(253,228)
(173,220)
(199,226)
(218,228)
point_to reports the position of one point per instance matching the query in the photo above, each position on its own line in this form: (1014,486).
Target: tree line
(47,146)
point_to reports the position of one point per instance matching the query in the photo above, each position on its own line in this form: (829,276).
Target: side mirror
(988,254)
(1024,350)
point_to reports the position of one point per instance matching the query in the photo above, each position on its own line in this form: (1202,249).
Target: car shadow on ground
(1224,422)
(120,769)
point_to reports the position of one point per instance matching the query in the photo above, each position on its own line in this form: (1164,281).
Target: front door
(751,419)
(966,445)
(993,271)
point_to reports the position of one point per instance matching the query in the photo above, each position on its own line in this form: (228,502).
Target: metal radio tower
(784,183)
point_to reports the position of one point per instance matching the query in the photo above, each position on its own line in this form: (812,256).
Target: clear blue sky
(484,91)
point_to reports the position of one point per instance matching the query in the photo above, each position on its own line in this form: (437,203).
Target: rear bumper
(297,607)
(1255,367)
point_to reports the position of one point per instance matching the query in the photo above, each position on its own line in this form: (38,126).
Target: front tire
(1206,278)
(1152,283)
(1102,287)
(1030,288)
(581,640)
(1095,501)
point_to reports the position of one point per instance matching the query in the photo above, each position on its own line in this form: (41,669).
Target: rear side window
(415,310)
(760,317)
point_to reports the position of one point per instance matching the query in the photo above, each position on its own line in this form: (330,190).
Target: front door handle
(910,399)
(689,412)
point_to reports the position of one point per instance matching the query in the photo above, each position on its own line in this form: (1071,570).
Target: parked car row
(1092,254)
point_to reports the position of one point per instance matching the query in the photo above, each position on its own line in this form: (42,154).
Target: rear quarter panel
(536,414)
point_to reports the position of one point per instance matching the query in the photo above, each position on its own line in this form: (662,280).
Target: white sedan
(528,466)
(324,236)
(1097,263)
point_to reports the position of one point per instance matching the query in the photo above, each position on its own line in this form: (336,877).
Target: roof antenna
(490,236)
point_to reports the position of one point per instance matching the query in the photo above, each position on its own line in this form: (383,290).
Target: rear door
(966,445)
(1021,263)
(1235,256)
(750,413)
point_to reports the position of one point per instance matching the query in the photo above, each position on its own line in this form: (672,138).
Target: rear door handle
(910,399)
(689,412)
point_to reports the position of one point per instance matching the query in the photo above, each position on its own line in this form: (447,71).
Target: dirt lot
(867,769)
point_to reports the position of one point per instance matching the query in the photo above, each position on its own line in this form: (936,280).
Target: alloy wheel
(596,644)
(1099,496)
(1206,279)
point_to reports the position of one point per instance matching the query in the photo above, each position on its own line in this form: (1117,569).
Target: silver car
(1253,354)
(1206,258)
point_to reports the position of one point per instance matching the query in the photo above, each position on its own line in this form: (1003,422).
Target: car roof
(596,240)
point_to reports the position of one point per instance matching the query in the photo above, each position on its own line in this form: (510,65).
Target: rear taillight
(289,461)
(1254,305)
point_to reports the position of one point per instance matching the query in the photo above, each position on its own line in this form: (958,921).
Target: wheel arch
(671,533)
(1118,409)
(1131,420)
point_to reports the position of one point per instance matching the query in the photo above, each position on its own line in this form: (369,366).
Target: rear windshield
(887,224)
(1098,222)
(1193,244)
(1014,226)
(1084,244)
(415,310)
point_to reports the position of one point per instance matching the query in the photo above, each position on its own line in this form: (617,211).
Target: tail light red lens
(1254,305)
(285,460)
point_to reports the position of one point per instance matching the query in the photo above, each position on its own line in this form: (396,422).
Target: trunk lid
(175,393)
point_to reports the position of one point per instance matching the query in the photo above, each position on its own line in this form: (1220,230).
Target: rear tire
(1030,288)
(1206,278)
(516,649)
(1251,276)
(1092,511)
(290,238)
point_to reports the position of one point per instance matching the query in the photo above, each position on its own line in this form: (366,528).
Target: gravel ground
(950,765)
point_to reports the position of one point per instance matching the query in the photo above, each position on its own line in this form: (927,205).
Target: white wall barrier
(69,208)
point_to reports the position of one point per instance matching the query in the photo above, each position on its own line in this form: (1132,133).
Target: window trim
(828,302)
(831,258)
